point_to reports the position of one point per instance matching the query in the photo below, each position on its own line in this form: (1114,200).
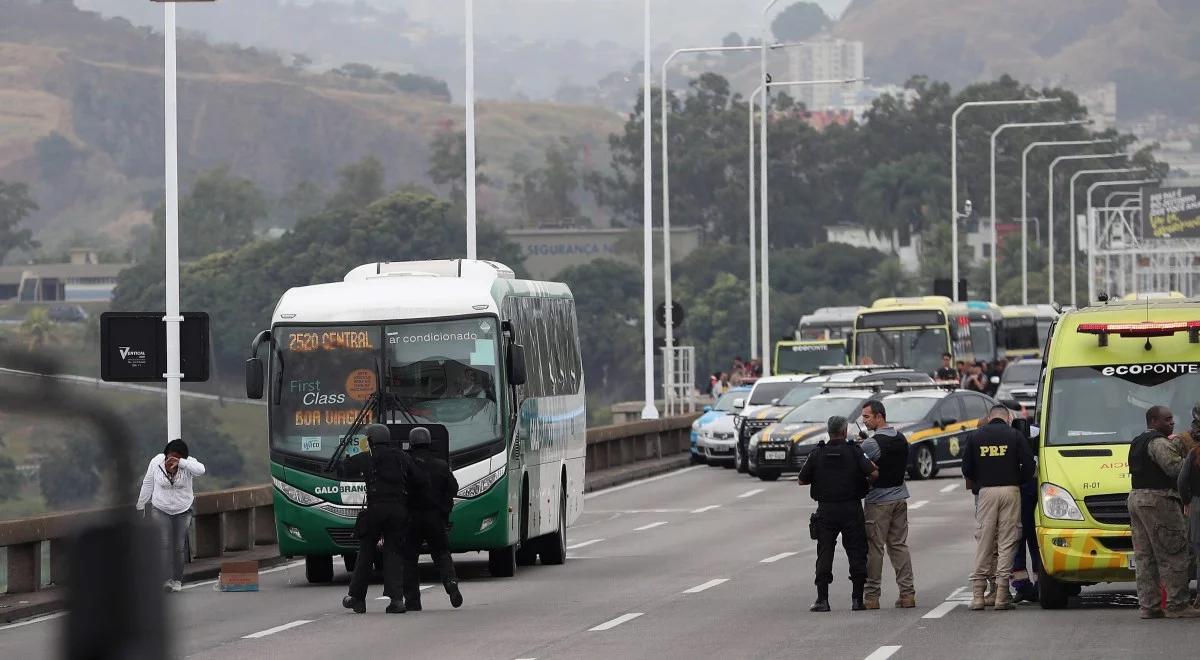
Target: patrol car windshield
(801,394)
(919,349)
(808,359)
(725,403)
(820,409)
(765,393)
(1126,391)
(445,373)
(909,409)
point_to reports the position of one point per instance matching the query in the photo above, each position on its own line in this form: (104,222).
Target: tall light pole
(995,136)
(1071,224)
(1050,212)
(765,257)
(172,318)
(1025,203)
(668,300)
(751,190)
(649,411)
(1091,229)
(470,127)
(954,176)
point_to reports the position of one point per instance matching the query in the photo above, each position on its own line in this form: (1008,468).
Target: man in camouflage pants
(1156,517)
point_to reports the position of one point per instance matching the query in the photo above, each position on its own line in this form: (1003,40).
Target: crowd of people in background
(741,372)
(980,376)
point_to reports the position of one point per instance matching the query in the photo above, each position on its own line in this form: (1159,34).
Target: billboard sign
(1171,212)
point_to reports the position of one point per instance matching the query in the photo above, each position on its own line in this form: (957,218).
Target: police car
(1019,383)
(785,445)
(767,392)
(936,418)
(713,433)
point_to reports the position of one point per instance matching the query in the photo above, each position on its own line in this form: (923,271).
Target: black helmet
(378,434)
(419,437)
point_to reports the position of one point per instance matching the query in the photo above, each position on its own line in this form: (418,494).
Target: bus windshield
(983,339)
(919,349)
(1127,391)
(765,393)
(1023,334)
(807,359)
(444,372)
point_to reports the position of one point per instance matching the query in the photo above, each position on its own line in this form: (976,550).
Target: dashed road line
(706,586)
(750,493)
(883,653)
(710,507)
(942,609)
(650,526)
(609,625)
(271,631)
(29,622)
(584,544)
(916,505)
(774,558)
(949,488)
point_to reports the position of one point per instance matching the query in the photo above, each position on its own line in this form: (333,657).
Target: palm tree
(38,327)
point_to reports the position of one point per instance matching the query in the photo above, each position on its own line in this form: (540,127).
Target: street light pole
(1050,213)
(1025,205)
(1071,223)
(751,190)
(172,318)
(649,411)
(1092,229)
(470,128)
(954,176)
(995,136)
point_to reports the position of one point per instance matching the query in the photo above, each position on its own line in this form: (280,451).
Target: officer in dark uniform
(392,478)
(840,475)
(429,523)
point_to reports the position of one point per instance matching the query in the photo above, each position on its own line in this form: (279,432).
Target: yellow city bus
(1026,328)
(807,357)
(1105,366)
(914,333)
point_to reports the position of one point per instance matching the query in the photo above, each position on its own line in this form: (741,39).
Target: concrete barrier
(237,520)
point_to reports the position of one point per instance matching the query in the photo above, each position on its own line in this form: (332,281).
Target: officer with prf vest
(840,475)
(429,523)
(886,508)
(392,479)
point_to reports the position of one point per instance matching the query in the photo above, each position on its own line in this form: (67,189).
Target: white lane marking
(650,526)
(959,594)
(642,482)
(917,505)
(28,622)
(710,507)
(774,558)
(193,585)
(942,610)
(883,653)
(609,625)
(583,544)
(750,493)
(627,511)
(424,587)
(271,631)
(706,586)
(949,488)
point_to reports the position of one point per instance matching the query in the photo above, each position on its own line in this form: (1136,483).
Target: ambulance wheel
(318,569)
(1053,594)
(503,562)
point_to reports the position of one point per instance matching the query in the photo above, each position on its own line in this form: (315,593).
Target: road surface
(700,563)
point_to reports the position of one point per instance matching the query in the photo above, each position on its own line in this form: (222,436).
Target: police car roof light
(874,386)
(833,368)
(934,385)
(1145,329)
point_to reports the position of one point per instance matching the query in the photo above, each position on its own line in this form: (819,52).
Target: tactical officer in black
(392,479)
(840,475)
(429,523)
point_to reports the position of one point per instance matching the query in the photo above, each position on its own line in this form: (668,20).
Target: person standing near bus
(429,523)
(167,488)
(1156,519)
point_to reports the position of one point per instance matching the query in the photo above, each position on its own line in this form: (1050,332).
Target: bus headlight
(1057,503)
(482,486)
(295,494)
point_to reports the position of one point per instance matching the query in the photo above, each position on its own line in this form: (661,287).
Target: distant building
(549,251)
(84,279)
(826,59)
(858,236)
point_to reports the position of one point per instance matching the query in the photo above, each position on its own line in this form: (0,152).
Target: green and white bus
(457,343)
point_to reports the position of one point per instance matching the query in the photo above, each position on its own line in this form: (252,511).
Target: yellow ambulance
(1105,366)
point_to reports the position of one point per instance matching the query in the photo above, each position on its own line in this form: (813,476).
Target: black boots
(856,598)
(396,607)
(456,599)
(357,604)
(822,604)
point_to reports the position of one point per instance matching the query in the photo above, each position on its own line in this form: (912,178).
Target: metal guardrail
(241,518)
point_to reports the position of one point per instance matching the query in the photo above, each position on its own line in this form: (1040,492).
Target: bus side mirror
(516,364)
(254,378)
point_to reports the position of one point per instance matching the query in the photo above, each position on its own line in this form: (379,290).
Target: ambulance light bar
(1146,329)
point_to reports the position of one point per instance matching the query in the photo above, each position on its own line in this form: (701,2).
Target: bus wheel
(350,559)
(923,465)
(318,569)
(554,546)
(503,562)
(1052,594)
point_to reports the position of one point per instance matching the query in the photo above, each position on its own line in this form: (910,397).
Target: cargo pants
(998,531)
(887,530)
(1160,547)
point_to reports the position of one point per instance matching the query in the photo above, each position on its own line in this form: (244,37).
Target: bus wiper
(360,420)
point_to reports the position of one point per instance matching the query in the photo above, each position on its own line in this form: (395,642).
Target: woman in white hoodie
(167,488)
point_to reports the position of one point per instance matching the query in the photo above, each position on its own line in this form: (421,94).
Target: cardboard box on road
(238,576)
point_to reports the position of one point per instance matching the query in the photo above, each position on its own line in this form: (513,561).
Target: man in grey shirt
(886,508)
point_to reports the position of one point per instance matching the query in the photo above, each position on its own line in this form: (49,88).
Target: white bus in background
(827,323)
(455,343)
